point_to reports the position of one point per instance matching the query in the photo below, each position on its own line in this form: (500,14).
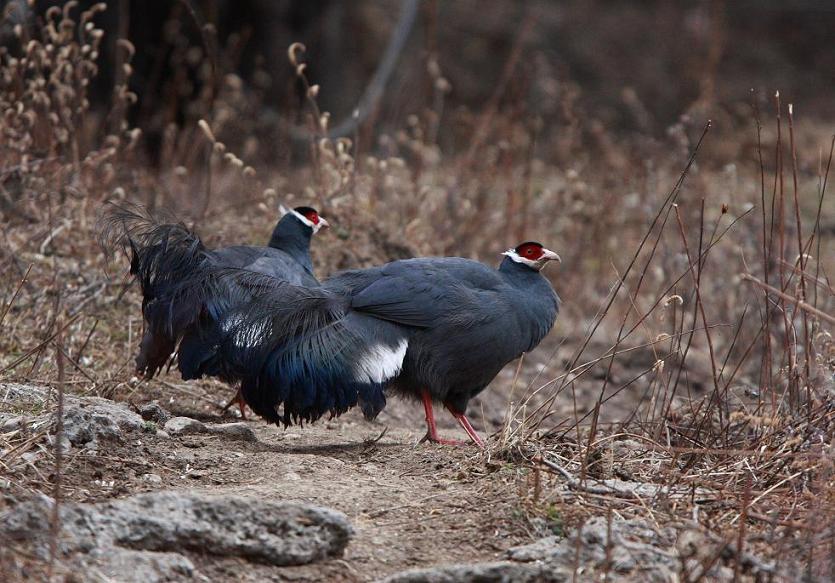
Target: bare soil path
(411,506)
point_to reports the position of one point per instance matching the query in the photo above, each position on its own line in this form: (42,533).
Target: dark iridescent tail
(167,259)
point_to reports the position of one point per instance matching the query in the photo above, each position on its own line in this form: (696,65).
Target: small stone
(31,456)
(239,431)
(153,411)
(478,573)
(66,446)
(184,426)
(151,478)
(10,424)
(535,551)
(93,419)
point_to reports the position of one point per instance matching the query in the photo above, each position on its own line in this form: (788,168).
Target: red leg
(241,405)
(465,423)
(239,399)
(431,429)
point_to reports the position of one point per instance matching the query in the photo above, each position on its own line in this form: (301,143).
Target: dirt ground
(411,505)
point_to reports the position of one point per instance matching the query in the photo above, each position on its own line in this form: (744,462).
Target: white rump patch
(380,363)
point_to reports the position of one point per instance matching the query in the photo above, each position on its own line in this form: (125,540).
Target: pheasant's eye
(312,216)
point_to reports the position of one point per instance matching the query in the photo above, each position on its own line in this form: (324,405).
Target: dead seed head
(442,85)
(293,53)
(127,46)
(207,130)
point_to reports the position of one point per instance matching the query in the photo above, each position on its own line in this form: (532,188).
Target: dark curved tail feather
(163,255)
(288,346)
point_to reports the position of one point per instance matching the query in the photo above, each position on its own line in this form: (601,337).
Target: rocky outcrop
(149,537)
(628,550)
(88,421)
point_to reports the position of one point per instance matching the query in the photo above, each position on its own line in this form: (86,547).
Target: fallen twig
(796,301)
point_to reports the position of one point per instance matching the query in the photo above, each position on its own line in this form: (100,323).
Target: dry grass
(700,289)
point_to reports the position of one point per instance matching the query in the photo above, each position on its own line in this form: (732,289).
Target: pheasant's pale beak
(548,255)
(323,223)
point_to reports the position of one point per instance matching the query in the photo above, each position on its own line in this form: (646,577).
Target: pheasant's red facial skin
(532,254)
(310,217)
(530,251)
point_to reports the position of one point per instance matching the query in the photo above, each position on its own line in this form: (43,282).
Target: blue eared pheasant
(438,329)
(286,258)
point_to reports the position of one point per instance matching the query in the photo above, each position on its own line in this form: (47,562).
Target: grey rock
(31,456)
(498,572)
(92,419)
(152,478)
(87,420)
(64,441)
(153,411)
(16,392)
(239,431)
(536,551)
(10,423)
(146,566)
(157,530)
(638,552)
(184,426)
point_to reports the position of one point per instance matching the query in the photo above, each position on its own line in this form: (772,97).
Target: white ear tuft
(283,209)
